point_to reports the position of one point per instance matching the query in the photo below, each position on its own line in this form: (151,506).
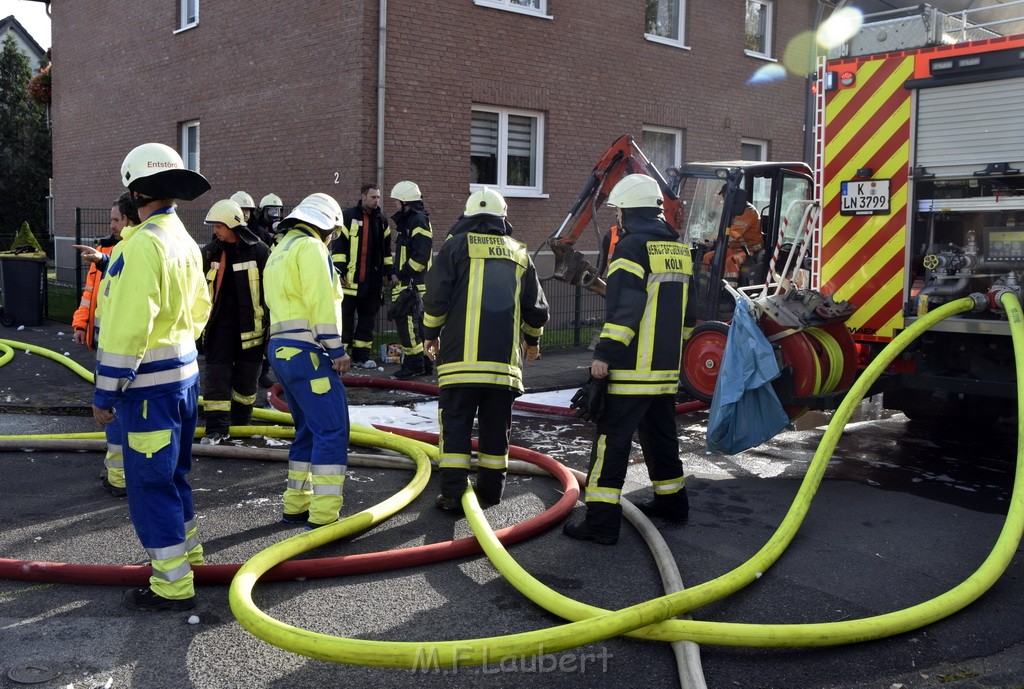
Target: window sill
(759,56)
(666,41)
(513,8)
(511,192)
(186,28)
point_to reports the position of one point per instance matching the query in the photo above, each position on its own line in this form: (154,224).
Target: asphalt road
(904,514)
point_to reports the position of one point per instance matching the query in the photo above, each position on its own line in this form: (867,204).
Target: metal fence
(575,312)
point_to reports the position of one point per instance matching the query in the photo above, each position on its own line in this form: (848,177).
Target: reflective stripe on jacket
(413,244)
(246,264)
(303,291)
(483,297)
(642,338)
(362,251)
(154,306)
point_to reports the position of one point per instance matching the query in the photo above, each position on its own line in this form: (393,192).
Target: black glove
(589,401)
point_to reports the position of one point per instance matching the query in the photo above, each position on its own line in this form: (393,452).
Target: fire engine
(915,198)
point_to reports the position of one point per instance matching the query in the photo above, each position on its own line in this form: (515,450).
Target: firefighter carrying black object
(638,354)
(408,304)
(413,245)
(477,347)
(589,400)
(235,335)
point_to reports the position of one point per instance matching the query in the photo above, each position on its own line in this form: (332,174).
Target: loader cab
(706,191)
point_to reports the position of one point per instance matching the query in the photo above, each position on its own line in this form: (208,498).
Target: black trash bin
(22,281)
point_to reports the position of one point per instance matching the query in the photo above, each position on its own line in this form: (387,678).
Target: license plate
(870,197)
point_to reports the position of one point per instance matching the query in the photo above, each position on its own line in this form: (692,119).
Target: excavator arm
(622,158)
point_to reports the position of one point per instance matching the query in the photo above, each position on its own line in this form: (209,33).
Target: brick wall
(286,93)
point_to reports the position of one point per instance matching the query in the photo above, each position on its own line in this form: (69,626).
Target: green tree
(25,153)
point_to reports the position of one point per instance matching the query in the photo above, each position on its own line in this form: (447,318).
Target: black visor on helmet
(172,184)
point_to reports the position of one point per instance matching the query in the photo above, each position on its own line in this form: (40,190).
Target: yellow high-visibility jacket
(154,305)
(303,292)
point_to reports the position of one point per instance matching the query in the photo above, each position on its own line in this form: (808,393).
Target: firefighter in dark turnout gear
(413,245)
(235,335)
(362,255)
(639,352)
(478,349)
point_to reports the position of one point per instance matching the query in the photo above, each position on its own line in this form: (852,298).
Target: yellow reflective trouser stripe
(669,486)
(328,479)
(195,548)
(299,478)
(454,461)
(594,492)
(173,578)
(216,405)
(602,494)
(362,344)
(487,461)
(114,463)
(243,399)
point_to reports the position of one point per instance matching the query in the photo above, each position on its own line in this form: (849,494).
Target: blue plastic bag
(745,411)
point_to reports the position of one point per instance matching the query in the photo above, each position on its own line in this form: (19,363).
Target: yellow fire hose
(649,619)
(594,625)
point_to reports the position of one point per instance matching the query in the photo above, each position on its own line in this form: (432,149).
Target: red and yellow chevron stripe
(863,258)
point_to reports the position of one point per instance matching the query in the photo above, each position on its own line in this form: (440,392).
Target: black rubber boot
(147,599)
(673,508)
(601,525)
(490,484)
(241,414)
(411,367)
(453,485)
(360,355)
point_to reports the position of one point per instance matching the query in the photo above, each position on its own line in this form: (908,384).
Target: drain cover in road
(31,674)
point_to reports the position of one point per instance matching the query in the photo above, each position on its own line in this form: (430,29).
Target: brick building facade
(285,94)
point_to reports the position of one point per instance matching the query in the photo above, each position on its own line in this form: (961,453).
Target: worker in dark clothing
(235,334)
(477,348)
(362,255)
(413,247)
(638,352)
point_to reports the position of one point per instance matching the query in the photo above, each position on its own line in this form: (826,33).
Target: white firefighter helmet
(328,202)
(228,213)
(157,171)
(319,210)
(271,200)
(406,191)
(486,201)
(243,200)
(636,191)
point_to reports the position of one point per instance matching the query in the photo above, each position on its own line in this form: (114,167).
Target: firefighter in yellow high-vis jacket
(153,307)
(303,293)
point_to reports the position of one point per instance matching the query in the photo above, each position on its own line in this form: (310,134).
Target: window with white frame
(663,147)
(757,33)
(753,149)
(188,13)
(757,149)
(507,150)
(539,7)
(665,21)
(190,144)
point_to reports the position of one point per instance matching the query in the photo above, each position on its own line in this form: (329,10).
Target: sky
(31,15)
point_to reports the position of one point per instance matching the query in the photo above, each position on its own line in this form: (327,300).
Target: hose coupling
(980,300)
